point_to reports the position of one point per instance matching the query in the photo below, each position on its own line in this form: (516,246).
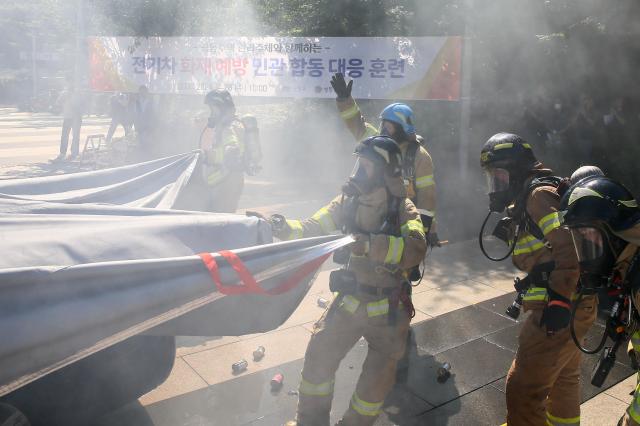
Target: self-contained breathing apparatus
(617,303)
(378,164)
(343,281)
(616,294)
(222,115)
(508,229)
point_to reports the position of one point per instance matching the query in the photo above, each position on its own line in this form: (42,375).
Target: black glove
(557,313)
(340,86)
(280,227)
(433,240)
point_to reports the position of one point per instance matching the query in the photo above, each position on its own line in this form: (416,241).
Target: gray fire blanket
(120,271)
(156,184)
(80,273)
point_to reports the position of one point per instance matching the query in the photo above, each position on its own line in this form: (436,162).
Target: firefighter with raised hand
(397,123)
(374,296)
(543,386)
(604,220)
(231,149)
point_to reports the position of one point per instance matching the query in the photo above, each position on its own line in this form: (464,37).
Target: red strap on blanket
(250,286)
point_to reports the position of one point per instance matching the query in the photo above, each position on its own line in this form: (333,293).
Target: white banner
(299,67)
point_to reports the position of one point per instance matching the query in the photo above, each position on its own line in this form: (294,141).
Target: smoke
(532,67)
(551,71)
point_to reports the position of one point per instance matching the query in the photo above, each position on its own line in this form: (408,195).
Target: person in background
(72,110)
(144,121)
(120,114)
(231,148)
(585,130)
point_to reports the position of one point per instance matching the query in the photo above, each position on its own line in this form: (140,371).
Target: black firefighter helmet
(386,156)
(507,160)
(221,98)
(595,209)
(599,199)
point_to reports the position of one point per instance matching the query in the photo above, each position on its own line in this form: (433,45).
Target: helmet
(220,97)
(594,209)
(584,172)
(507,151)
(400,114)
(598,199)
(386,157)
(384,151)
(508,160)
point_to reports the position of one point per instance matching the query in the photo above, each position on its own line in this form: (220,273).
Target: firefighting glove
(361,245)
(340,86)
(557,313)
(433,240)
(280,227)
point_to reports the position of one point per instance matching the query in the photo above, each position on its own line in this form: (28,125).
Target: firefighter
(396,122)
(543,382)
(373,298)
(231,149)
(604,220)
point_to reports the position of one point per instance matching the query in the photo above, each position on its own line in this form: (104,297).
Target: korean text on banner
(426,68)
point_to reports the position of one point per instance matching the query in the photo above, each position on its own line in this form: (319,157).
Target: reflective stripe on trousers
(365,408)
(561,421)
(320,389)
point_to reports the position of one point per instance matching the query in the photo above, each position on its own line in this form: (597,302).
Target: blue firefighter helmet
(400,114)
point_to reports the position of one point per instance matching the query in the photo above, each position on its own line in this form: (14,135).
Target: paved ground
(459,320)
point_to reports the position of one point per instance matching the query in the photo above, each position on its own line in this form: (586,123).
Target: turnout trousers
(337,331)
(543,383)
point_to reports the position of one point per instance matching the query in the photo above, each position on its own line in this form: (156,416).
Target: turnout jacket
(421,188)
(389,256)
(542,207)
(224,147)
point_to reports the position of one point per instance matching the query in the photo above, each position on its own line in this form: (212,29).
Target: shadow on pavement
(33,170)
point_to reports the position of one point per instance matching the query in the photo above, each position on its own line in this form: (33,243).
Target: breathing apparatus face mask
(596,255)
(384,128)
(364,178)
(393,130)
(499,189)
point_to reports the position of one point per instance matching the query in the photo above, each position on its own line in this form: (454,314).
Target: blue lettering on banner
(142,64)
